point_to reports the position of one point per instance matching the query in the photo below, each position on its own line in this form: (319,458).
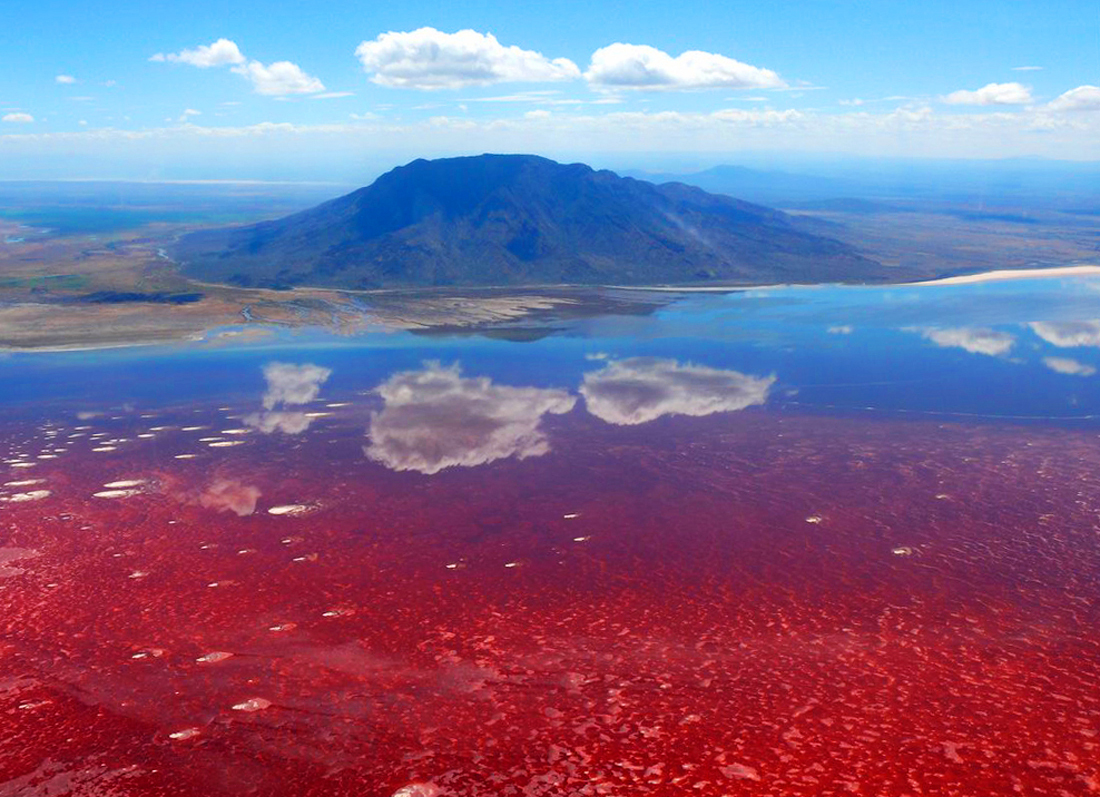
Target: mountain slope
(515,220)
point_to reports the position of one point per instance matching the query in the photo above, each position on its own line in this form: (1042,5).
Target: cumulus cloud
(1082,98)
(279,79)
(427,58)
(65,79)
(641,389)
(1069,366)
(274,80)
(1068,334)
(976,340)
(288,384)
(229,495)
(17,118)
(223,52)
(638,66)
(992,94)
(840,329)
(435,418)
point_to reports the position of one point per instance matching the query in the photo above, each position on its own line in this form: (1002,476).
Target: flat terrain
(108,285)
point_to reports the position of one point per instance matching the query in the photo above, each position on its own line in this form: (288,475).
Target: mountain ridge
(512,220)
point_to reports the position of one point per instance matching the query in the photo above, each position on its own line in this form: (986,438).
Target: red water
(746,604)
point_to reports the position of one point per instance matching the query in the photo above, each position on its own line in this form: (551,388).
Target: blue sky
(282,90)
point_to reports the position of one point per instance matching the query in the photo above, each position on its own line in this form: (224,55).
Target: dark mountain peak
(519,219)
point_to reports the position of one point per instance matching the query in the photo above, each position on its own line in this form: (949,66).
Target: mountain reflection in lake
(800,542)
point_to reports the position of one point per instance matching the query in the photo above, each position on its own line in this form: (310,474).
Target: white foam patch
(116,493)
(289,509)
(214,657)
(124,483)
(183,735)
(253,704)
(33,495)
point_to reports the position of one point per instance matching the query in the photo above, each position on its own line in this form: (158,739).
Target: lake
(792,540)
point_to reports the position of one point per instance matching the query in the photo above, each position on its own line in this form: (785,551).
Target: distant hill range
(523,220)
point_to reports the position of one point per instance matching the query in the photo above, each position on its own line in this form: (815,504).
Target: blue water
(1020,350)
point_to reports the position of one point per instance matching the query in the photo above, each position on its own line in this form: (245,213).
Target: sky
(276,90)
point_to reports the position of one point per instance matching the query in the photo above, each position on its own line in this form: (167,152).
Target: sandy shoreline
(423,311)
(1012,274)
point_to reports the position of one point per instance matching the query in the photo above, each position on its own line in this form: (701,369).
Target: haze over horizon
(274,91)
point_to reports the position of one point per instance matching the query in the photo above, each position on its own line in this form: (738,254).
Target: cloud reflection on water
(230,495)
(1068,366)
(642,389)
(288,384)
(1068,334)
(976,340)
(435,418)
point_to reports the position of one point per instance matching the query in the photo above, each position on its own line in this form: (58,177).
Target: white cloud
(992,94)
(1082,98)
(841,329)
(435,418)
(1026,68)
(332,95)
(1068,334)
(17,118)
(641,389)
(65,79)
(638,66)
(976,340)
(759,118)
(430,59)
(279,79)
(1069,366)
(274,80)
(223,52)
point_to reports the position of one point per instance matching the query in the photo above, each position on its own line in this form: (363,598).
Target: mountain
(521,220)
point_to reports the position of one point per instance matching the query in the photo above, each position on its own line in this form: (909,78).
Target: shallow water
(790,541)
